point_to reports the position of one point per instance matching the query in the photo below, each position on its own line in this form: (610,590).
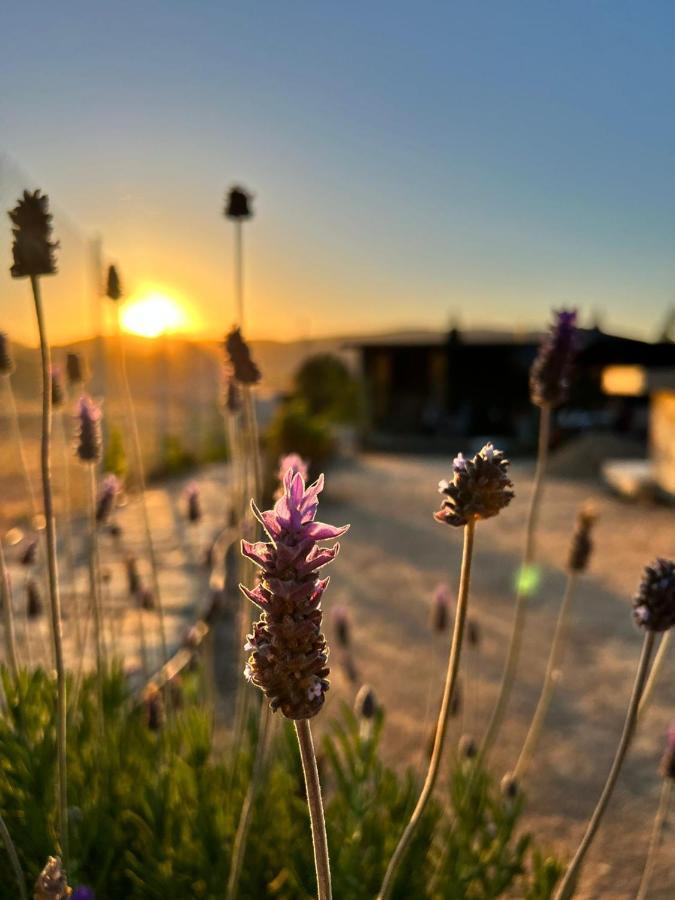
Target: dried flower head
(668,759)
(52,883)
(33,249)
(238,204)
(110,488)
(113,288)
(479,489)
(365,703)
(239,355)
(441,608)
(342,625)
(75,369)
(89,445)
(582,544)
(33,599)
(58,393)
(552,368)
(193,500)
(29,554)
(288,651)
(654,603)
(6,360)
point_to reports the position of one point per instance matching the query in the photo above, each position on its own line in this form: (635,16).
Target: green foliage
(115,457)
(328,388)
(153,814)
(294,430)
(174,458)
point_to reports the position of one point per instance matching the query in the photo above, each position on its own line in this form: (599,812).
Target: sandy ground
(391,561)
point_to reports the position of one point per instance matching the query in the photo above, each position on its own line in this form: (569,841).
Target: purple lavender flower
(552,367)
(32,249)
(295,463)
(89,445)
(288,651)
(83,892)
(654,603)
(238,204)
(441,604)
(668,758)
(6,361)
(479,489)
(194,507)
(58,393)
(110,488)
(239,354)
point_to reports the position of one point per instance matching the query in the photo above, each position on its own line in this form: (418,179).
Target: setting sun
(152,315)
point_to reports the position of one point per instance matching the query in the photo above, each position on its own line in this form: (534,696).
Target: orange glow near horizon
(155,313)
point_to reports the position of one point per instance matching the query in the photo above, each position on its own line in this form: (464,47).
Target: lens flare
(152,315)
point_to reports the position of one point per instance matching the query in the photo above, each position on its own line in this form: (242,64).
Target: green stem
(8,614)
(554,660)
(569,882)
(516,640)
(313,786)
(443,715)
(655,839)
(52,566)
(13,858)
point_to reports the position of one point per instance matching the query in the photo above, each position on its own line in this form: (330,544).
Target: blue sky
(411,161)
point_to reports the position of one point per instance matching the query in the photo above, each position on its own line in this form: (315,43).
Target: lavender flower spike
(288,651)
(106,498)
(33,248)
(89,445)
(6,360)
(654,603)
(479,489)
(193,498)
(52,883)
(551,369)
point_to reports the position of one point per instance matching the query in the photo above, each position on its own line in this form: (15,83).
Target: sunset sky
(412,162)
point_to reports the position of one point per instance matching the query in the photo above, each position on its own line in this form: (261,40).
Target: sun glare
(152,315)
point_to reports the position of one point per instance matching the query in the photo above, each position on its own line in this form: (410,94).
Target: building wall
(662,436)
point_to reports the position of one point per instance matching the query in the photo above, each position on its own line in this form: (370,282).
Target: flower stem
(13,858)
(655,839)
(52,566)
(654,673)
(569,882)
(554,659)
(319,837)
(95,574)
(515,643)
(239,271)
(8,614)
(443,715)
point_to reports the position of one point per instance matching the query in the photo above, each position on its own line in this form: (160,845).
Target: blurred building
(423,394)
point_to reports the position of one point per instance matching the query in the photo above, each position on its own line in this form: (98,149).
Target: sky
(413,163)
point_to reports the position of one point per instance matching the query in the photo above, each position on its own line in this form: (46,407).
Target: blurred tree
(328,388)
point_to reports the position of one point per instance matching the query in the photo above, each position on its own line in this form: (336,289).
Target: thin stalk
(8,614)
(254,787)
(554,660)
(443,715)
(140,472)
(655,839)
(95,575)
(52,566)
(68,527)
(654,673)
(253,439)
(516,640)
(239,271)
(13,858)
(569,882)
(313,786)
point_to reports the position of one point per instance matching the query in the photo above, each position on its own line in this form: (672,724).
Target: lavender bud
(194,508)
(52,882)
(582,545)
(89,446)
(552,367)
(6,360)
(654,603)
(509,787)
(113,288)
(238,204)
(288,651)
(33,249)
(110,488)
(467,747)
(29,554)
(342,626)
(239,354)
(479,489)
(58,394)
(365,704)
(667,768)
(441,608)
(75,369)
(33,599)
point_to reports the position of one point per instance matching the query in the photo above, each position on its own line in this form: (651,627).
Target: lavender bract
(552,367)
(654,603)
(288,651)
(89,445)
(479,489)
